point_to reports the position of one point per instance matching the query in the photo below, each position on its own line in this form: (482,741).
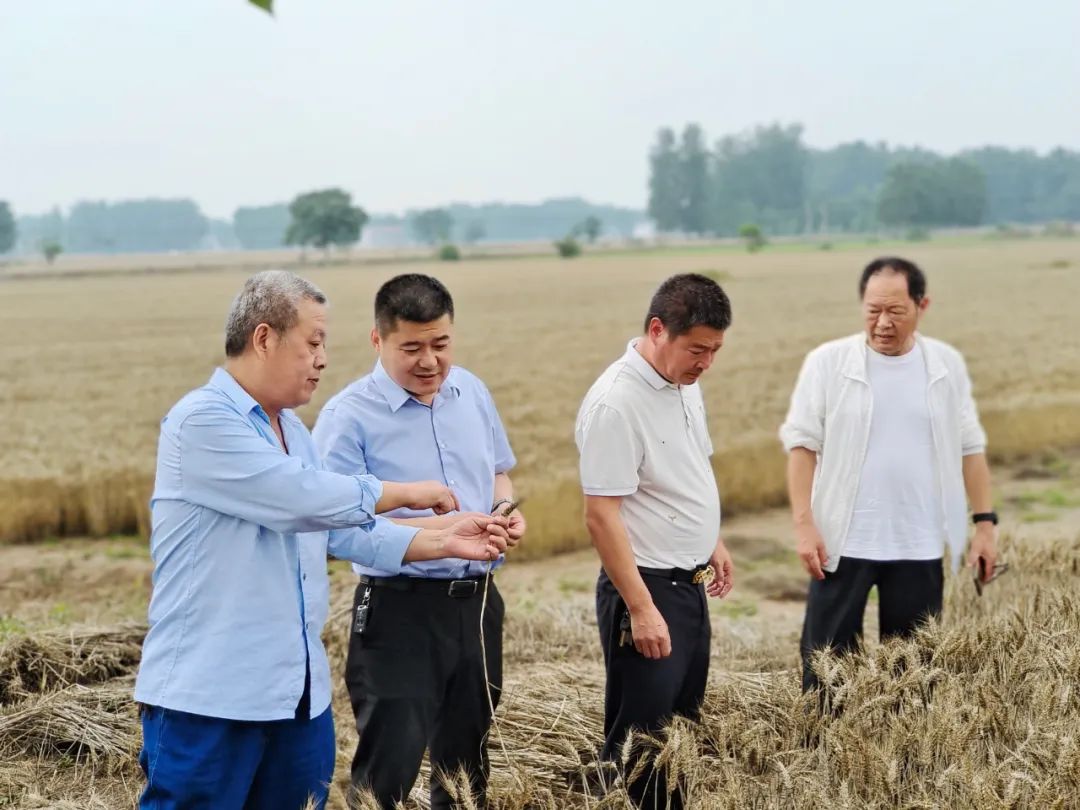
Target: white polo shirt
(646,439)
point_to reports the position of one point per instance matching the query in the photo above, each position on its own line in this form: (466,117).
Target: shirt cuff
(371,490)
(793,437)
(610,492)
(391,541)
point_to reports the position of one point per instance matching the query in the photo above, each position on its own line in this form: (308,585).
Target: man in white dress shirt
(653,511)
(884,439)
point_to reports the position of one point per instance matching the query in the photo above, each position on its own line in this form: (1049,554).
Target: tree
(842,185)
(939,193)
(433,226)
(475,232)
(964,188)
(324,218)
(261,227)
(665,183)
(50,249)
(693,181)
(591,227)
(760,176)
(149,225)
(545,221)
(568,247)
(1021,186)
(33,229)
(7,228)
(752,235)
(908,196)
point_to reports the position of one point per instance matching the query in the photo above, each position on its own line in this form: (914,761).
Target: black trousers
(642,693)
(416,681)
(909,591)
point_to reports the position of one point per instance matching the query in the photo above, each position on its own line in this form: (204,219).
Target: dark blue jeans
(194,762)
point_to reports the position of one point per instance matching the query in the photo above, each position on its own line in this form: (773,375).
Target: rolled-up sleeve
(972,435)
(380,544)
(611,453)
(804,425)
(225,465)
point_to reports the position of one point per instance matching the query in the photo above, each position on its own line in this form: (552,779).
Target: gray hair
(271,297)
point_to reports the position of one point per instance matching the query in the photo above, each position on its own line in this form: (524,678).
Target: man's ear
(376,340)
(262,339)
(924,305)
(655,329)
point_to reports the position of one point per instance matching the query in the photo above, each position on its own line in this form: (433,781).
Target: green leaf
(265,5)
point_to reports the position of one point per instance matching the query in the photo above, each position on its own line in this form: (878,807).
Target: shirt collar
(396,396)
(642,367)
(227,384)
(855,364)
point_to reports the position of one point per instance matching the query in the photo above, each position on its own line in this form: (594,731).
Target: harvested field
(980,711)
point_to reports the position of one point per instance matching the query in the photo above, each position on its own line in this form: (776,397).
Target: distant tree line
(769,177)
(514,222)
(325,218)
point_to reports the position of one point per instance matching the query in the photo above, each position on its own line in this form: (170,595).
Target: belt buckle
(703,575)
(460,588)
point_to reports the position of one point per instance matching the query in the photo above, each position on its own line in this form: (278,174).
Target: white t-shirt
(646,440)
(898,505)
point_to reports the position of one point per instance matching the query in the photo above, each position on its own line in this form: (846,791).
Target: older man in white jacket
(883,439)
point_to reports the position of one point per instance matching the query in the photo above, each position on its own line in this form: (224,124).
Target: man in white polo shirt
(884,439)
(653,512)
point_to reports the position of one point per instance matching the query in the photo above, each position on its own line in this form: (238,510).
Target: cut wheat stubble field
(978,712)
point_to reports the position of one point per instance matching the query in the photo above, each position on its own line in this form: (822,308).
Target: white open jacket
(830,415)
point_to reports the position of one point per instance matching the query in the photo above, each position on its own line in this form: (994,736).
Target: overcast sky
(409,103)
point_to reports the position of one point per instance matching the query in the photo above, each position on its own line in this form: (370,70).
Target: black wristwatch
(989,517)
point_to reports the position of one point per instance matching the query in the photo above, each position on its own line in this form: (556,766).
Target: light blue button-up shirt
(241,531)
(375,426)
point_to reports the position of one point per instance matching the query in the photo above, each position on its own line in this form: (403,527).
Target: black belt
(455,588)
(692,576)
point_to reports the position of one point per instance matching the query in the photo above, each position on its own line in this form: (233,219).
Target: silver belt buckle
(461,588)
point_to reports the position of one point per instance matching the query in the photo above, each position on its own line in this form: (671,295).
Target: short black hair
(688,300)
(916,281)
(411,297)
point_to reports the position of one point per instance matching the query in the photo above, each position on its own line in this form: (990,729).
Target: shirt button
(304,577)
(451,483)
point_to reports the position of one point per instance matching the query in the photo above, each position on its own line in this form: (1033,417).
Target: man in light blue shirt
(416,666)
(234,681)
